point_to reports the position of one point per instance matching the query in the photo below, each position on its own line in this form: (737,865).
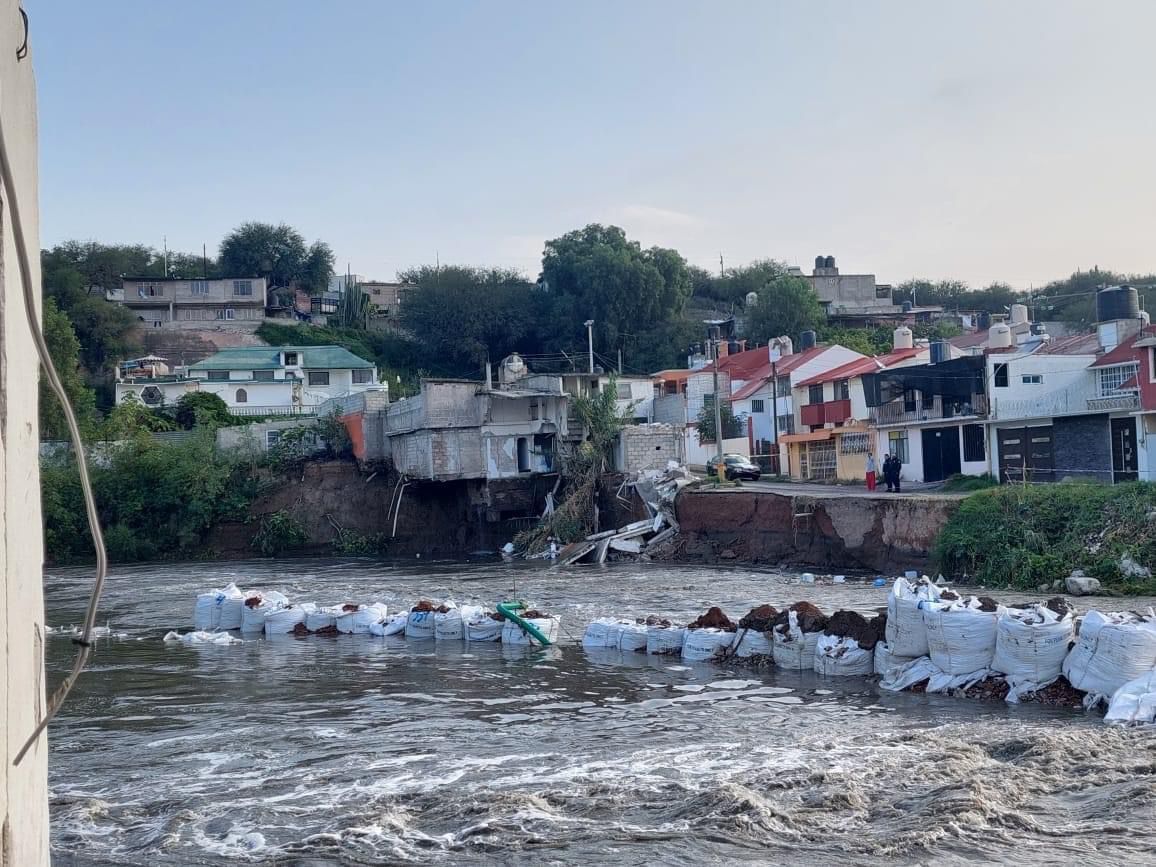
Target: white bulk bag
(900,677)
(394,624)
(960,637)
(1111,650)
(665,640)
(253,617)
(842,657)
(202,637)
(793,648)
(321,618)
(219,609)
(604,632)
(707,643)
(358,622)
(632,638)
(1030,647)
(283,620)
(906,632)
(483,627)
(751,642)
(419,624)
(512,633)
(1135,702)
(451,626)
(885,660)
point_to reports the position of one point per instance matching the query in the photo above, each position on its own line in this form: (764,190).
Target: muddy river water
(361,750)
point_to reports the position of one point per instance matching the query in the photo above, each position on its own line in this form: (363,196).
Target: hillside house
(182,303)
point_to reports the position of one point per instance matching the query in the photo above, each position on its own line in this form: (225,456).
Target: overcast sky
(979,141)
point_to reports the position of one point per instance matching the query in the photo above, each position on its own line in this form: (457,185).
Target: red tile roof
(760,376)
(1122,354)
(860,366)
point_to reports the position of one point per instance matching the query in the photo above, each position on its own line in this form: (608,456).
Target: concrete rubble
(657,489)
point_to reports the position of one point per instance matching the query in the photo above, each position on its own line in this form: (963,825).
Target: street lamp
(590,341)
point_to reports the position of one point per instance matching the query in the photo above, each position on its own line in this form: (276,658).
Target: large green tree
(787,305)
(277,253)
(467,314)
(597,273)
(65,351)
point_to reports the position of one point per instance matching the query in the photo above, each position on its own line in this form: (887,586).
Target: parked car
(736,467)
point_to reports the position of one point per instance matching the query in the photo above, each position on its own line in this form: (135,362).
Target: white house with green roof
(262,380)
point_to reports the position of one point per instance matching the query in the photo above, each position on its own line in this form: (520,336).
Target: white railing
(249,409)
(1110,402)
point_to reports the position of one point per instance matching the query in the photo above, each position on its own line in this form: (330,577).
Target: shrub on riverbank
(1028,536)
(156,500)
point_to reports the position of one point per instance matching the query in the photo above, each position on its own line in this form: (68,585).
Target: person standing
(887,467)
(896,469)
(870,471)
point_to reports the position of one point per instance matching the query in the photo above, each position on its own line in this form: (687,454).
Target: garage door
(1026,454)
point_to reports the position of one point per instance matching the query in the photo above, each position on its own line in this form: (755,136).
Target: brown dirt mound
(654,620)
(810,618)
(988,689)
(986,603)
(852,624)
(533,614)
(496,615)
(350,607)
(918,688)
(760,619)
(299,629)
(326,630)
(424,605)
(948,595)
(253,602)
(1060,605)
(712,619)
(443,609)
(1059,694)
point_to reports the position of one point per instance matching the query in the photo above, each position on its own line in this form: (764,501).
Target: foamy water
(362,750)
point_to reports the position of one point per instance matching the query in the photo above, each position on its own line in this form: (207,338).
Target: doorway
(940,453)
(523,455)
(1125,466)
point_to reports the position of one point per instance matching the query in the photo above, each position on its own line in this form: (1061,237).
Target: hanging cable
(84,640)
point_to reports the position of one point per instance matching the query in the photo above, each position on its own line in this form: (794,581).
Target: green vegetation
(732,425)
(203,409)
(65,351)
(959,483)
(1028,536)
(787,305)
(279,254)
(278,533)
(355,544)
(398,359)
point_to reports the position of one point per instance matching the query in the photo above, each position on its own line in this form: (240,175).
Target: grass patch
(1028,536)
(959,483)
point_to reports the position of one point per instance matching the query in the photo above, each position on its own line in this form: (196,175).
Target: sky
(978,141)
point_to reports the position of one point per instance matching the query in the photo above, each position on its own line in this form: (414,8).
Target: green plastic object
(507,609)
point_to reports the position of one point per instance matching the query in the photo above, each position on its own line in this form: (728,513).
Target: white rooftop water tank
(999,336)
(902,338)
(1019,314)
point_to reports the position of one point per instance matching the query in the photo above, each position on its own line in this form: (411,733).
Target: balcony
(905,412)
(830,412)
(1125,400)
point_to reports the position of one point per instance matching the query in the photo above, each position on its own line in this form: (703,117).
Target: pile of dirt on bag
(253,602)
(989,689)
(533,614)
(713,619)
(424,605)
(809,617)
(986,603)
(1059,693)
(852,624)
(300,629)
(496,615)
(654,620)
(352,607)
(760,619)
(443,609)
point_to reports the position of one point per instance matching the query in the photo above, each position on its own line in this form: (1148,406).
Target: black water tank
(829,262)
(819,261)
(1117,302)
(984,322)
(939,351)
(906,306)
(733,347)
(807,340)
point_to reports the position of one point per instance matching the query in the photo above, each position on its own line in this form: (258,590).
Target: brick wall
(1083,447)
(646,447)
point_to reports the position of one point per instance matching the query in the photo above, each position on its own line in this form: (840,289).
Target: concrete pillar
(23,788)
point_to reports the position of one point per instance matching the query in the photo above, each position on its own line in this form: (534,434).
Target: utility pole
(590,341)
(165,241)
(775,405)
(718,431)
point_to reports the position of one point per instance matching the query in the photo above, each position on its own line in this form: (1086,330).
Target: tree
(869,341)
(469,314)
(732,425)
(202,409)
(65,351)
(597,273)
(131,419)
(736,283)
(787,305)
(277,253)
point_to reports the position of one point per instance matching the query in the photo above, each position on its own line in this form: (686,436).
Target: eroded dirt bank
(840,531)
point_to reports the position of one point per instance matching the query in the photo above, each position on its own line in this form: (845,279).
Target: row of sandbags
(953,642)
(272,613)
(795,639)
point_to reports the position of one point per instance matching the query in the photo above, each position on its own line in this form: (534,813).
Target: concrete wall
(646,447)
(670,409)
(1082,446)
(23,788)
(251,438)
(699,455)
(439,454)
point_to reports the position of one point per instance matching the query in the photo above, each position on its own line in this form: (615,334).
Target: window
(1112,378)
(909,400)
(882,290)
(218,376)
(150,291)
(151,395)
(853,444)
(361,376)
(786,424)
(1032,378)
(783,387)
(815,394)
(242,396)
(290,359)
(226,313)
(198,287)
(272,437)
(842,390)
(624,391)
(1001,376)
(758,406)
(263,376)
(708,401)
(973,449)
(928,399)
(319,377)
(242,287)
(897,444)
